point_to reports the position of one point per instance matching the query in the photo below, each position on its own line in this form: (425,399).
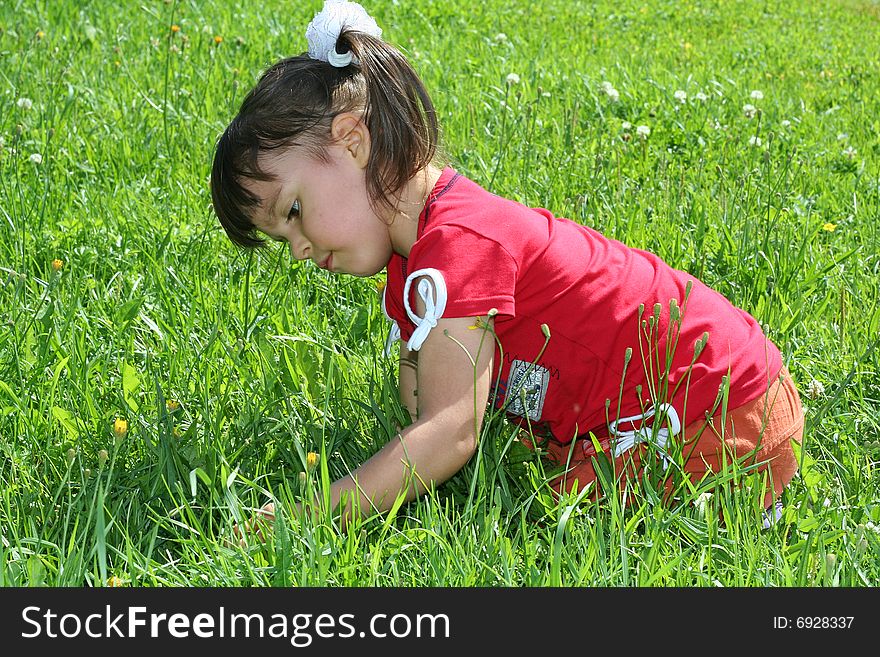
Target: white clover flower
(610,91)
(680,96)
(25,103)
(36,158)
(826,503)
(754,140)
(872,527)
(700,96)
(841,136)
(750,110)
(785,123)
(849,152)
(512,78)
(757,94)
(643,131)
(815,389)
(626,125)
(702,500)
(500,37)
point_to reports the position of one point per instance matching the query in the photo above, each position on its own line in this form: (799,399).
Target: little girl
(600,352)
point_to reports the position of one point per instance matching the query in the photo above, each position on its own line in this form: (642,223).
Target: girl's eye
(294,211)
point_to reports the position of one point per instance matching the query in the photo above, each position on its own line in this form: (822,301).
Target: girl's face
(322,210)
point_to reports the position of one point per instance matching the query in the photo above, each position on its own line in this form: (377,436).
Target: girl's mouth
(327,262)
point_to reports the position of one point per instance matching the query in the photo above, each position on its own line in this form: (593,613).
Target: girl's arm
(408,380)
(454,376)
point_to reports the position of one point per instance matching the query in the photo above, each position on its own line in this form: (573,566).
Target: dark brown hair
(293,104)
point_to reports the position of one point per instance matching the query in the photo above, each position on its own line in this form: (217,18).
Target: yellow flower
(172,405)
(40,34)
(175,28)
(218,39)
(114,581)
(57,264)
(311,460)
(829,227)
(120,427)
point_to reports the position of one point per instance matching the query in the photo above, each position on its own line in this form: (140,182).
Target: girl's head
(293,106)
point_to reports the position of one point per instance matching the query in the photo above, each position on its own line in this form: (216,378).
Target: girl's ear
(349,131)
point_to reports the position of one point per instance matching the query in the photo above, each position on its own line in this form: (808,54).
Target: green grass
(270,360)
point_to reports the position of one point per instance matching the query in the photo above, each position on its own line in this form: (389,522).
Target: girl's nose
(300,248)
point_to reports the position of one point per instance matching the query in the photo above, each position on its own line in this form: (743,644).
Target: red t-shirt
(536,269)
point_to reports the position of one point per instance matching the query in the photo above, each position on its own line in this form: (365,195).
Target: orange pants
(758,434)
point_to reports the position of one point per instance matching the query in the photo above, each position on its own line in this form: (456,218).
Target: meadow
(157,384)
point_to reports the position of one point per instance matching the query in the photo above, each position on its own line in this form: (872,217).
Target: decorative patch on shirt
(527,389)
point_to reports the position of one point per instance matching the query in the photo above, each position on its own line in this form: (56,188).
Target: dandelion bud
(545,330)
(688,288)
(830,560)
(311,460)
(113,581)
(102,457)
(627,356)
(641,309)
(492,312)
(698,347)
(862,545)
(639,390)
(302,477)
(658,308)
(120,428)
(57,264)
(87,473)
(71,454)
(674,312)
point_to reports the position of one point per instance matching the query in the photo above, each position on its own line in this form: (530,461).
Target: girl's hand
(259,526)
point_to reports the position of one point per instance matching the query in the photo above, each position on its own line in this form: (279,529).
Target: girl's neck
(404,226)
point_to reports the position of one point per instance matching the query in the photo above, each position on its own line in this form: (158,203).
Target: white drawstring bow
(432,290)
(626,440)
(324,30)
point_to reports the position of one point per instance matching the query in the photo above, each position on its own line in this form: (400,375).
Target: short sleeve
(479,272)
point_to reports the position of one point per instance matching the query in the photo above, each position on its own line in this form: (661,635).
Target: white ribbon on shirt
(394,333)
(626,440)
(432,290)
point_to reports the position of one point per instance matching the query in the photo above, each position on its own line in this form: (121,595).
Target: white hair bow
(323,32)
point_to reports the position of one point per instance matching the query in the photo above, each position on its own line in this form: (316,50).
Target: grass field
(156,383)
